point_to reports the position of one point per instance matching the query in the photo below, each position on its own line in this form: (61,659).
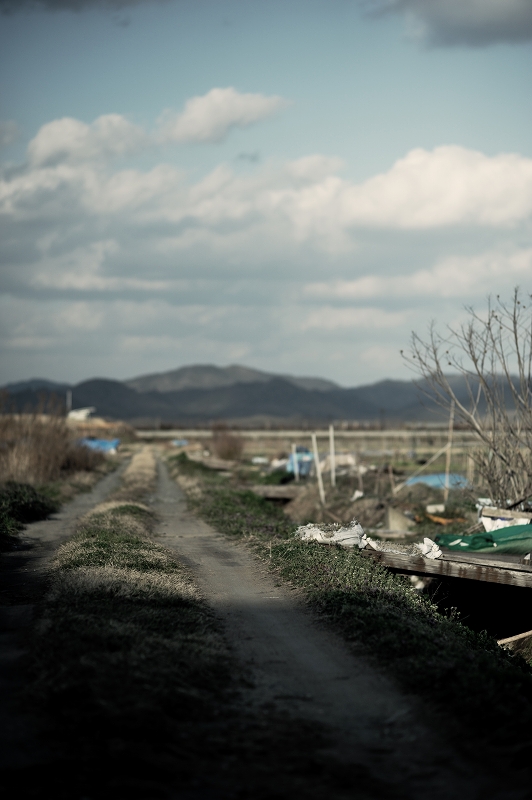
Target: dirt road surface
(293,664)
(306,672)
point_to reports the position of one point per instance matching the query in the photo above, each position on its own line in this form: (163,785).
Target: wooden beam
(515,638)
(505,513)
(449,566)
(282,492)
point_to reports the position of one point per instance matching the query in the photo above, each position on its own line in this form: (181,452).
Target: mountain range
(205,393)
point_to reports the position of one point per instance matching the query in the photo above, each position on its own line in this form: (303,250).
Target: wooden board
(283,492)
(496,513)
(472,568)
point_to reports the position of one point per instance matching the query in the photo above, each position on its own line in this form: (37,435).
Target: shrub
(79,458)
(21,503)
(35,448)
(225,444)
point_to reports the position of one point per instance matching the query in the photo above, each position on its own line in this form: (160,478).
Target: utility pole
(448,454)
(332,455)
(318,468)
(295,462)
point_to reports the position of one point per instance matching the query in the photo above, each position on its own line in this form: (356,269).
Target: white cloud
(145,263)
(449,185)
(452,277)
(69,139)
(9,132)
(83,269)
(209,117)
(329,318)
(464,22)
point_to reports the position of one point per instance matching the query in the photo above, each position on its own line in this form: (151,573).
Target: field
(138,677)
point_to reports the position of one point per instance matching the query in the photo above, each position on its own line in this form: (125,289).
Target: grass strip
(125,639)
(21,503)
(481,688)
(139,690)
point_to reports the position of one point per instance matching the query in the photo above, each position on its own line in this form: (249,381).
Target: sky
(291,185)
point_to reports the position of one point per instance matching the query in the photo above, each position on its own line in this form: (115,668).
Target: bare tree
(484,367)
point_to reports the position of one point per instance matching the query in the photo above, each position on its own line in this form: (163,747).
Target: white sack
(352,536)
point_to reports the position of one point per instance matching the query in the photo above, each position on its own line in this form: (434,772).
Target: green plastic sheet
(514,539)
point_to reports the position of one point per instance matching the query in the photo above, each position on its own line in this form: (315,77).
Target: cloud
(451,277)
(449,185)
(69,139)
(463,22)
(209,117)
(11,6)
(9,132)
(204,119)
(330,318)
(270,210)
(286,264)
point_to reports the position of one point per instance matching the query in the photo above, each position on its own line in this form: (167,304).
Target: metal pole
(295,463)
(332,455)
(448,455)
(318,468)
(69,400)
(470,473)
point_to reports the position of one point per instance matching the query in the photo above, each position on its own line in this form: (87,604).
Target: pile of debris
(354,536)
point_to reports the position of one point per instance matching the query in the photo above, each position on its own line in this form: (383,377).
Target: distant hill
(35,384)
(202,394)
(276,399)
(208,376)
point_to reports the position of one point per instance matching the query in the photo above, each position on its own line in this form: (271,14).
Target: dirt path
(306,672)
(333,697)
(22,578)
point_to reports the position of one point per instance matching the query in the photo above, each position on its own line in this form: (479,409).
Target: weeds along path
(306,673)
(22,584)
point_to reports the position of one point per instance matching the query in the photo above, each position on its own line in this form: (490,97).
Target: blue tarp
(304,461)
(437,480)
(102,445)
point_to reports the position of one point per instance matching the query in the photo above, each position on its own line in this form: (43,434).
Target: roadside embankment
(476,689)
(137,689)
(126,650)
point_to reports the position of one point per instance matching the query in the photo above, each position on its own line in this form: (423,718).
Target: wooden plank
(448,568)
(487,562)
(505,513)
(282,492)
(525,635)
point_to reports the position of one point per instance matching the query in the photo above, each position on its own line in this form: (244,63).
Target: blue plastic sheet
(304,461)
(437,480)
(102,445)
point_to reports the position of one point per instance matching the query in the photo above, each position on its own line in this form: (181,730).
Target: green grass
(137,688)
(189,467)
(243,513)
(480,687)
(125,642)
(21,503)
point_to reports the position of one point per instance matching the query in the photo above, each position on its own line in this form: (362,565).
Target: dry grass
(38,448)
(227,445)
(140,477)
(33,447)
(125,641)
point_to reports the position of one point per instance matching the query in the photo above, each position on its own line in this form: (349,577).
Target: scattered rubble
(354,536)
